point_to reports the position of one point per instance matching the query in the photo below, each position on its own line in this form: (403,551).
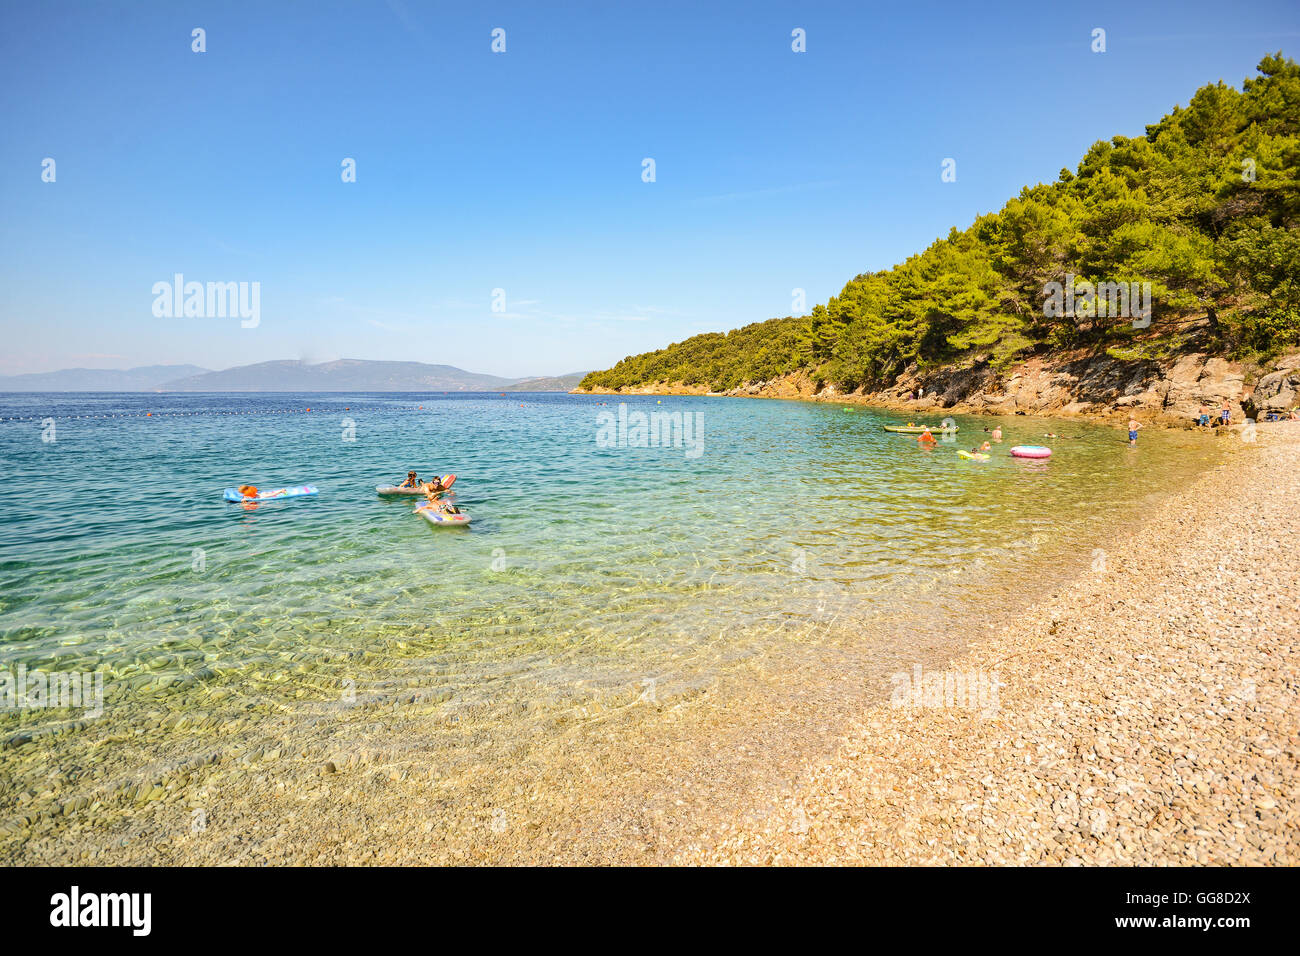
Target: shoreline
(1096,388)
(923,409)
(1145,716)
(717,773)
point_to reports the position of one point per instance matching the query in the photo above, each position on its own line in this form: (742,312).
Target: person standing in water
(997,433)
(1133,427)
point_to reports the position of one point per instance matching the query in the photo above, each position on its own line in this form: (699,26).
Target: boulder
(1279,391)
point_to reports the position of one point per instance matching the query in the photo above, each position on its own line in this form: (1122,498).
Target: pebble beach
(1147,714)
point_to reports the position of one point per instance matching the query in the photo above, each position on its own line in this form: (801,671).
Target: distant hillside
(1202,213)
(344,375)
(144,379)
(548,383)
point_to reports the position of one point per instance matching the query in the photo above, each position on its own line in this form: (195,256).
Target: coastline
(1074,386)
(594,775)
(1146,716)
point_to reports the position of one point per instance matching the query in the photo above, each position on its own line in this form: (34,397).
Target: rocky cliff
(1094,386)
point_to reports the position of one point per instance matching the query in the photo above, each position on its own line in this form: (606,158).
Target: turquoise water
(587,568)
(785,505)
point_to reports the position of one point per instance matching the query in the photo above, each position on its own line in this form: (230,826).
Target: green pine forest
(1205,207)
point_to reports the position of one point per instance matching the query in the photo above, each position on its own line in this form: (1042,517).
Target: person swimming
(411,481)
(926,438)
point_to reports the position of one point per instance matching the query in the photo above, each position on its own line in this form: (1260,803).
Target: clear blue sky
(522,170)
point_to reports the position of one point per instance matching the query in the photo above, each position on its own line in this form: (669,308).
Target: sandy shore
(1148,715)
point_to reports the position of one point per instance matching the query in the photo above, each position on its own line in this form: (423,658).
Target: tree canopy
(1205,207)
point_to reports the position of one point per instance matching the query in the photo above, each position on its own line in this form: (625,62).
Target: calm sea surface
(587,569)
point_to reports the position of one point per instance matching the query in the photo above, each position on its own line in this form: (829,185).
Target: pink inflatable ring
(1032,451)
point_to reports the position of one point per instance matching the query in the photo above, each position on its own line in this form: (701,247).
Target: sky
(523,171)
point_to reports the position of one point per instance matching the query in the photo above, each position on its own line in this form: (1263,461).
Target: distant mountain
(547,383)
(145,379)
(344,375)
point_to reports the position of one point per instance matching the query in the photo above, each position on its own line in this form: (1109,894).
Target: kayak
(973,455)
(915,429)
(1032,451)
(232,494)
(388,490)
(435,517)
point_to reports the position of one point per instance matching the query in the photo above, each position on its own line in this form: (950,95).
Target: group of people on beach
(434,492)
(1225,416)
(1203,416)
(926,439)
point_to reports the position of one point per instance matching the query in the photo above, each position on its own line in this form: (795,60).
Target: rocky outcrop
(1197,380)
(1279,391)
(1093,386)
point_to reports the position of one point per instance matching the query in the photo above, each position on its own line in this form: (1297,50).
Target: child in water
(1133,427)
(926,438)
(997,433)
(411,481)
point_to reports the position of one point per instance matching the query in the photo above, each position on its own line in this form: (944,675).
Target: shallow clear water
(785,505)
(586,567)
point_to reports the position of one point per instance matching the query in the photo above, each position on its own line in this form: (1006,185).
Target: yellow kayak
(916,429)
